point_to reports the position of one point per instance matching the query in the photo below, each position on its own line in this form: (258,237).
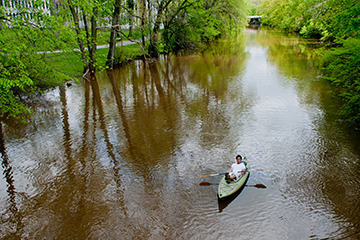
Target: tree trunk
(143,21)
(92,47)
(114,30)
(130,6)
(154,36)
(78,32)
(1,15)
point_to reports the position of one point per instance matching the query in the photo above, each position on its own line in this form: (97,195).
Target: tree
(113,34)
(131,9)
(24,36)
(342,69)
(188,24)
(154,34)
(335,22)
(94,13)
(313,18)
(80,39)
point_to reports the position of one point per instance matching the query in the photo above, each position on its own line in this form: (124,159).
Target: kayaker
(236,170)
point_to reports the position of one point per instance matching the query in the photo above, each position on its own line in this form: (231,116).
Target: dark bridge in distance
(254,20)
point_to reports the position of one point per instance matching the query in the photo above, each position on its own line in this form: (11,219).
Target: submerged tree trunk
(114,31)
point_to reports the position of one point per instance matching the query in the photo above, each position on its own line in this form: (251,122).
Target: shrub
(342,69)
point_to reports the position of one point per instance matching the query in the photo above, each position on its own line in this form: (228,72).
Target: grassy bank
(71,63)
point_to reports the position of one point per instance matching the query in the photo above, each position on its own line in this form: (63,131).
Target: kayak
(227,189)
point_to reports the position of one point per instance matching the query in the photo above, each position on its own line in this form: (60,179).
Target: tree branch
(142,48)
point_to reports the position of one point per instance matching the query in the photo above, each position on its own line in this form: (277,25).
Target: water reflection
(10,219)
(119,102)
(327,177)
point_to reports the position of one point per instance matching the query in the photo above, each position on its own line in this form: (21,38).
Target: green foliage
(127,52)
(342,66)
(332,21)
(343,19)
(202,22)
(287,15)
(312,30)
(13,78)
(25,67)
(180,36)
(23,70)
(314,18)
(253,8)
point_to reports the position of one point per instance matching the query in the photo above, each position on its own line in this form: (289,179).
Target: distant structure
(254,20)
(29,9)
(24,8)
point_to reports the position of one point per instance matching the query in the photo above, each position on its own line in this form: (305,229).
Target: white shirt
(236,168)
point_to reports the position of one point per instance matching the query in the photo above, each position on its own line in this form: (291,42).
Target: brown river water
(120,156)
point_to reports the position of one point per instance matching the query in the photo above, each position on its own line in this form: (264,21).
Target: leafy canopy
(23,70)
(342,66)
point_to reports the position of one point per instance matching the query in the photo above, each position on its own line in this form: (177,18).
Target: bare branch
(141,46)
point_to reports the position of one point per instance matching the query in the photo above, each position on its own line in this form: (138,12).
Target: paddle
(258,185)
(205,184)
(216,174)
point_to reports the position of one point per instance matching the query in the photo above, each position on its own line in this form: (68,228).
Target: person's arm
(230,170)
(242,171)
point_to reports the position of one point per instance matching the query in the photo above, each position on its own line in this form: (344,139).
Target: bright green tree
(313,18)
(342,68)
(23,42)
(189,24)
(335,22)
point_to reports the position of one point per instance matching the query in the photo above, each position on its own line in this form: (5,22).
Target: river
(120,156)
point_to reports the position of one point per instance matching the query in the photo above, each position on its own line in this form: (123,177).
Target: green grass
(71,63)
(129,52)
(103,37)
(66,62)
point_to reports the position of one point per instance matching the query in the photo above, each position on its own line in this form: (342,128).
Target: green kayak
(226,189)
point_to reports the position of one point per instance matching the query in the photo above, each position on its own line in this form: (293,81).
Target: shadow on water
(223,203)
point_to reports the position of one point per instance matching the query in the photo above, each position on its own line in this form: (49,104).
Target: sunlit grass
(71,63)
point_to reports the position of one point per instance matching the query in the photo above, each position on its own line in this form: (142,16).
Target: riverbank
(71,63)
(335,24)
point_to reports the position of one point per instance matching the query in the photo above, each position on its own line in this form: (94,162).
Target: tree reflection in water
(10,219)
